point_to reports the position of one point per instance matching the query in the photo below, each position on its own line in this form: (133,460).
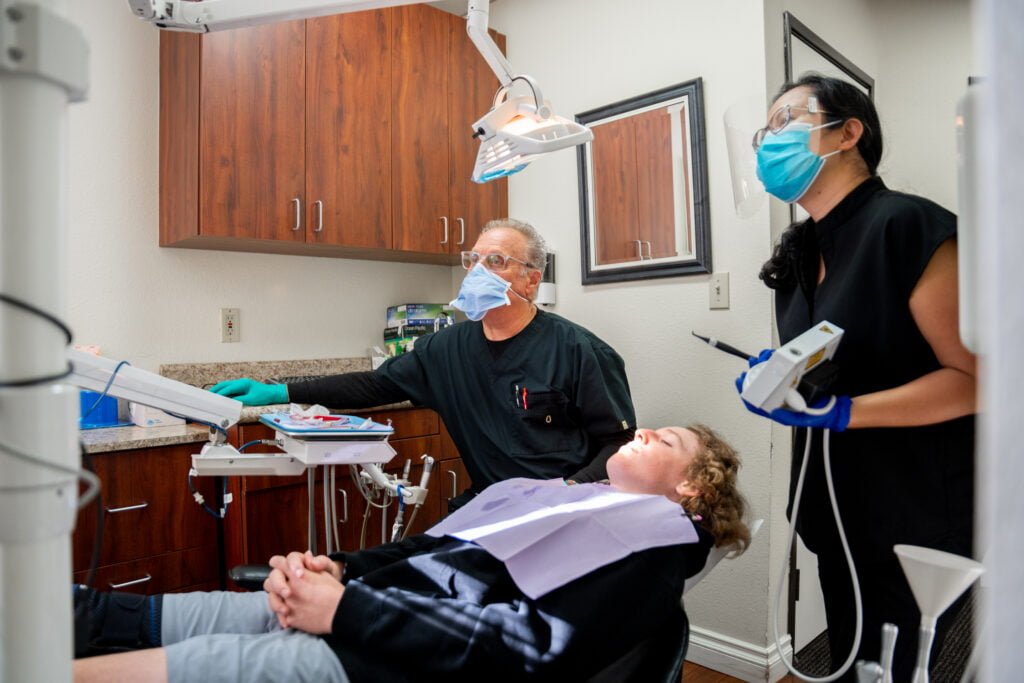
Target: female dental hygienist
(882,265)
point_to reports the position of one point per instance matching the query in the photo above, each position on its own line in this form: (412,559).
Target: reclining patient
(437,606)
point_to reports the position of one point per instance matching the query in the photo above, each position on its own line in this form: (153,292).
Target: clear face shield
(741,120)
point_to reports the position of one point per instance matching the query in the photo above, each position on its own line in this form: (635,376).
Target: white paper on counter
(548,534)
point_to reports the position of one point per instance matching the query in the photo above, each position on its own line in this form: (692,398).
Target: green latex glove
(252,393)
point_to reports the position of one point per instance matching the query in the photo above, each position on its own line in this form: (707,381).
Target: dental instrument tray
(329,427)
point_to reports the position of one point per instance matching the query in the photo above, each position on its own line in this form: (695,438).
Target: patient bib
(547,533)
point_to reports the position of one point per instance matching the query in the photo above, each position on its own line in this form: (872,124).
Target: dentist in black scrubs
(883,266)
(523,392)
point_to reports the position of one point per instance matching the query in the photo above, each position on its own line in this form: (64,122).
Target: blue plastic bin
(103,415)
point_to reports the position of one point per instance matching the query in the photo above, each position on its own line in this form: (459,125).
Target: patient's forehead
(684,438)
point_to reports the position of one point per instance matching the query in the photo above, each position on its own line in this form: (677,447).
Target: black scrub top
(894,485)
(537,405)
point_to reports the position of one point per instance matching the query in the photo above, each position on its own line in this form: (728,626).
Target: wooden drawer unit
(152,525)
(177,571)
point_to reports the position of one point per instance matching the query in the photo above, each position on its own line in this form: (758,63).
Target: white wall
(153,305)
(587,53)
(920,80)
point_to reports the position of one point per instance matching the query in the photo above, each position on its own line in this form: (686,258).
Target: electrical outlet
(230,325)
(719,290)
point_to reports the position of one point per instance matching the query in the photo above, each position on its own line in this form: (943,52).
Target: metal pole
(43,62)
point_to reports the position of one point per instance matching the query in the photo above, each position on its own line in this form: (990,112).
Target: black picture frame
(697,260)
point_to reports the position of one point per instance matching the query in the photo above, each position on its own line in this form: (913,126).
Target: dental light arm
(94,373)
(220,15)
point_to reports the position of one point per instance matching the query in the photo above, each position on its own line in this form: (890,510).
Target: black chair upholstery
(655,660)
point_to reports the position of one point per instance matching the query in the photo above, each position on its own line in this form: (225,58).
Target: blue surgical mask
(785,163)
(481,291)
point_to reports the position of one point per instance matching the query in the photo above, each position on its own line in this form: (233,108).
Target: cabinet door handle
(455,483)
(319,216)
(650,255)
(344,505)
(135,582)
(462,230)
(298,213)
(639,249)
(126,508)
(444,221)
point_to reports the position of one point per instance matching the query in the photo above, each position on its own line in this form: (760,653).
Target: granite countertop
(205,375)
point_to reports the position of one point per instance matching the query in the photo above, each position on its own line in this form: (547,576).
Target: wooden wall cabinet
(155,538)
(346,135)
(442,86)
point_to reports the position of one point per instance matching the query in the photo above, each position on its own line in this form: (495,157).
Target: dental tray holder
(359,441)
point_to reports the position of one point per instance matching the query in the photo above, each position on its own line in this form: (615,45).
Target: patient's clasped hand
(437,605)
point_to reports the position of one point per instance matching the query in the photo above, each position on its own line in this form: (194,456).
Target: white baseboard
(737,658)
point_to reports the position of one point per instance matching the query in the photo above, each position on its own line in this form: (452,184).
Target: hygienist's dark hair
(719,506)
(842,101)
(536,248)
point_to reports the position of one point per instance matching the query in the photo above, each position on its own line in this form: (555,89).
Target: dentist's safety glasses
(741,120)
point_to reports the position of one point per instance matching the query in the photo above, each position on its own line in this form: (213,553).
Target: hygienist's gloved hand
(836,417)
(761,357)
(252,393)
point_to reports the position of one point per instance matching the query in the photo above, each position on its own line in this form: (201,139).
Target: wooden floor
(695,673)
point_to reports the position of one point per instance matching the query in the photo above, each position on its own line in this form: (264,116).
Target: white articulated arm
(218,15)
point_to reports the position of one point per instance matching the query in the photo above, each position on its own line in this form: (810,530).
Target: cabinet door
(472,85)
(148,509)
(252,133)
(656,202)
(615,193)
(419,140)
(348,129)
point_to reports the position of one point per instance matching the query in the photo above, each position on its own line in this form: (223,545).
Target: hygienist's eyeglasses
(780,119)
(491,261)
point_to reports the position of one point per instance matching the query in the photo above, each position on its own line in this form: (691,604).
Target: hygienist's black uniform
(453,613)
(910,485)
(552,401)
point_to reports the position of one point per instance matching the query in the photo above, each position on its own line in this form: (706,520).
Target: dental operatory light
(517,129)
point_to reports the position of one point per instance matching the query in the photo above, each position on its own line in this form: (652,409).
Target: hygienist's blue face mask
(481,291)
(785,163)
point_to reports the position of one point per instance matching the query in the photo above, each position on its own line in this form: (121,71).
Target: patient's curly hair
(719,504)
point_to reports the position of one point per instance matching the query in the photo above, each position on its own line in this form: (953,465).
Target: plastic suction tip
(936,578)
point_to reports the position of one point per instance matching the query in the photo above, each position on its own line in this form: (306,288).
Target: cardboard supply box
(418,314)
(398,340)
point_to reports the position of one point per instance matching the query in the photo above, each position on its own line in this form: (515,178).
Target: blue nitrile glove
(252,393)
(761,357)
(835,419)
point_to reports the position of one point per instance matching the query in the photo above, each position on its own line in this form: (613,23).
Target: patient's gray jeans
(234,637)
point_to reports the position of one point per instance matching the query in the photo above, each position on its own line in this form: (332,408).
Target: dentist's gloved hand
(836,418)
(252,393)
(761,357)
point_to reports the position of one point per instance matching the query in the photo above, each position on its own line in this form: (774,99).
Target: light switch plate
(230,325)
(718,290)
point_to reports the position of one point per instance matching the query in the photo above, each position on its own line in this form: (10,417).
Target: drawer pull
(126,508)
(144,579)
(455,483)
(344,502)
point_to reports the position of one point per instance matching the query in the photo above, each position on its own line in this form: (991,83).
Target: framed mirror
(806,51)
(644,188)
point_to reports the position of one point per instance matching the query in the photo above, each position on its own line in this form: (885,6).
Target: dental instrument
(722,346)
